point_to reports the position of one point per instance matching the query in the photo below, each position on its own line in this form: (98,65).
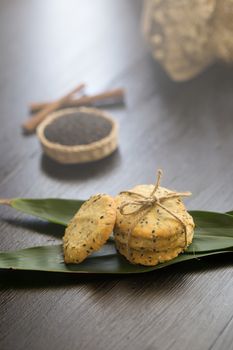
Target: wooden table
(47,47)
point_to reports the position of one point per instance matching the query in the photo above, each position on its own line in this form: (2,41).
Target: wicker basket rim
(77,148)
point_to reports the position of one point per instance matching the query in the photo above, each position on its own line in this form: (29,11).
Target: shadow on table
(207,94)
(80,171)
(170,277)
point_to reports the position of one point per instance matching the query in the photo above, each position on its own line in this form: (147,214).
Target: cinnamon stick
(31,124)
(116,94)
(5,201)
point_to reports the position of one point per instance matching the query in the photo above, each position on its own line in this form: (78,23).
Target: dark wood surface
(47,47)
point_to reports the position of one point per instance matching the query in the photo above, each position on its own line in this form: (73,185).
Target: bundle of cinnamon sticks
(74,98)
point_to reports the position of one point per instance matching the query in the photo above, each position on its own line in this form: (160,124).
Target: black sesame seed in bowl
(78,129)
(78,135)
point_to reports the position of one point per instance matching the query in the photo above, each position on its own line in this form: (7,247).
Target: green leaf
(58,211)
(213,235)
(213,231)
(106,261)
(230,213)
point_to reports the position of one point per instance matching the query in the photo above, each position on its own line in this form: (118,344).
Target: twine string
(144,204)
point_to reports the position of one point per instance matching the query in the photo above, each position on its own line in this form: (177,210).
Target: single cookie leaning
(90,228)
(151,235)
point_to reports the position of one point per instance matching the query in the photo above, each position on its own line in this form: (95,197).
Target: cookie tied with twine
(152,224)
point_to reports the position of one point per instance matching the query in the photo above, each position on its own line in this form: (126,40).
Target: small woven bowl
(79,153)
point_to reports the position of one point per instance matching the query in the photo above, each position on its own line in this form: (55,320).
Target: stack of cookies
(151,225)
(149,237)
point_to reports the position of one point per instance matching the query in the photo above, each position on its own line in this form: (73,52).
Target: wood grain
(185,128)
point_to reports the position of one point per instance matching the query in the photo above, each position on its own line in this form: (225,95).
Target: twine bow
(145,204)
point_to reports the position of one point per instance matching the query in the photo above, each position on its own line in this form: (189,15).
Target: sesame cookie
(90,228)
(148,258)
(151,235)
(158,243)
(157,222)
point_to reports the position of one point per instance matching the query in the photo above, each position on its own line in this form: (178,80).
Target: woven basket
(79,153)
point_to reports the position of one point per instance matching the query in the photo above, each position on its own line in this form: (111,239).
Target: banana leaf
(213,235)
(58,211)
(106,261)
